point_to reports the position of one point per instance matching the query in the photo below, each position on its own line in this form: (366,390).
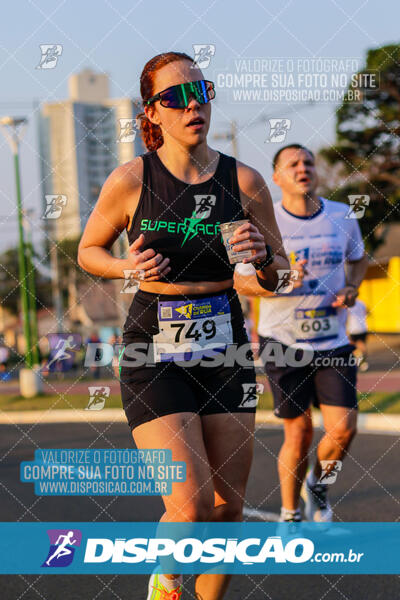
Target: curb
(366,422)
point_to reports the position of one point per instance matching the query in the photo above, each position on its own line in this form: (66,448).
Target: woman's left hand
(250,238)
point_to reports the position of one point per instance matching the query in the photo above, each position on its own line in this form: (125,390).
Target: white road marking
(262,515)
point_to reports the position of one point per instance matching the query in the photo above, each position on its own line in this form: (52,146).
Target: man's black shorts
(355,337)
(152,391)
(329,379)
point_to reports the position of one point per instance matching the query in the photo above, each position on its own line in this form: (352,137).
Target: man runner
(320,242)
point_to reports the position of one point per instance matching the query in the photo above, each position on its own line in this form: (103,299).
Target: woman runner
(170,201)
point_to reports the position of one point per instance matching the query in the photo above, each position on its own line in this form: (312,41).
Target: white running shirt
(357,319)
(305,315)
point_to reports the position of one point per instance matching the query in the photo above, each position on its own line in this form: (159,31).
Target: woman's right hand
(149,265)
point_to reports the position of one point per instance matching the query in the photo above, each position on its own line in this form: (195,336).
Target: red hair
(150,132)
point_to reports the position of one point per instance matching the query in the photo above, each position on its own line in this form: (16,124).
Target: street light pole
(32,290)
(29,377)
(13,129)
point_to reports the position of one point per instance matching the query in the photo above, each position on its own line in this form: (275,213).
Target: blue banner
(251,548)
(99,472)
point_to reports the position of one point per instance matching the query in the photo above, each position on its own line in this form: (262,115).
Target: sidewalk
(366,422)
(372,381)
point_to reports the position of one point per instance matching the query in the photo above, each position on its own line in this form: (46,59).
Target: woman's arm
(263,229)
(117,201)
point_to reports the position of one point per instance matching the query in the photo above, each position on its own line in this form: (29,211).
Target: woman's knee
(231,511)
(192,510)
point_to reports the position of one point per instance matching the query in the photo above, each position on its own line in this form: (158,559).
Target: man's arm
(247,285)
(355,273)
(258,208)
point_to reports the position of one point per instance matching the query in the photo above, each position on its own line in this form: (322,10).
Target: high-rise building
(82,139)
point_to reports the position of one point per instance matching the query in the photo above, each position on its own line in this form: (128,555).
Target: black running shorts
(153,388)
(330,378)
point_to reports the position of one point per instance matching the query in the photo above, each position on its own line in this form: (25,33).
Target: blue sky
(120,36)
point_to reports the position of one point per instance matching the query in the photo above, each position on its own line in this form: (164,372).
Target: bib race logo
(186,310)
(62,547)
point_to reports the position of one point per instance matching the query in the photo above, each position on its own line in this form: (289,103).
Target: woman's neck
(192,165)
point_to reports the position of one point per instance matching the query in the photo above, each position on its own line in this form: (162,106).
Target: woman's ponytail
(150,132)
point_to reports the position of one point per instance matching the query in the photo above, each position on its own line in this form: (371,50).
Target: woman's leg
(192,500)
(229,441)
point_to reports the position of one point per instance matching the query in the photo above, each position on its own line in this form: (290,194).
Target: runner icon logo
(63,347)
(357,206)
(127,130)
(63,543)
(278,130)
(97,397)
(132,278)
(202,55)
(54,205)
(204,204)
(286,280)
(330,470)
(251,392)
(50,54)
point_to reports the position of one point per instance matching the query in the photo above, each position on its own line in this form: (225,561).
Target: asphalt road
(368,489)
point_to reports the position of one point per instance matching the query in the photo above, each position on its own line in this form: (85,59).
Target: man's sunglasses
(178,96)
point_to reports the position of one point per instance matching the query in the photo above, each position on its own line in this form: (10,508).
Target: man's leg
(292,459)
(336,391)
(340,425)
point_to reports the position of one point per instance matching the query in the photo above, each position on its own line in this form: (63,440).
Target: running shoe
(157,591)
(287,516)
(289,523)
(317,506)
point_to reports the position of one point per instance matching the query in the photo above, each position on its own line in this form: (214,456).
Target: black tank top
(180,220)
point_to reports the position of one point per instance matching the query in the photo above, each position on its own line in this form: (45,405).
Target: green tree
(366,153)
(9,283)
